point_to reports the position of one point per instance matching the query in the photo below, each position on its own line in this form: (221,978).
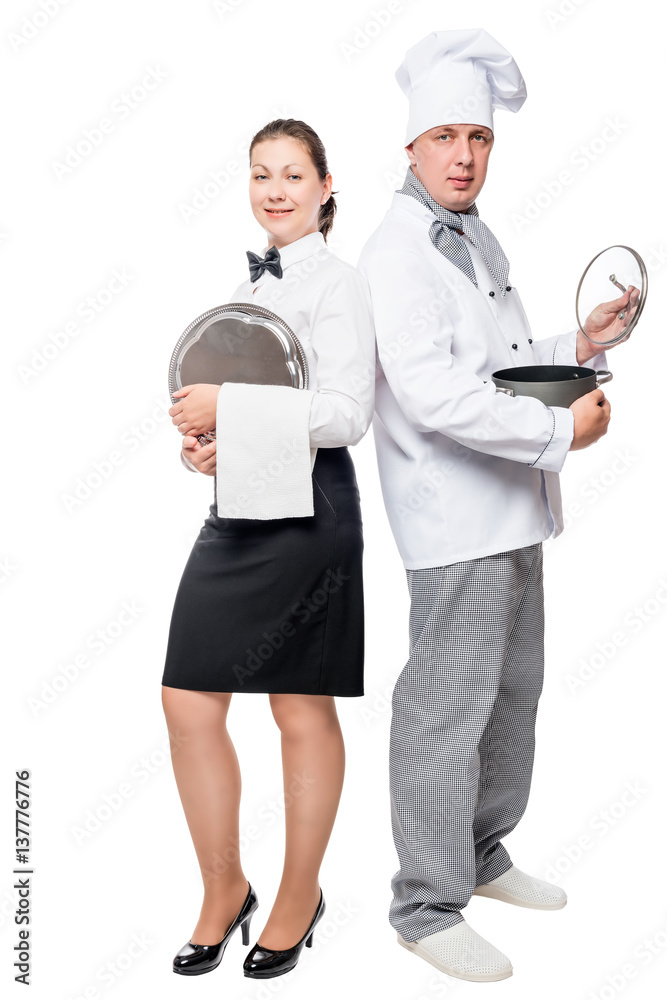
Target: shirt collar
(308,245)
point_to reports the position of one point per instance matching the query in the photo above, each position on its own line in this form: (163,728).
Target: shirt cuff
(554,453)
(565,351)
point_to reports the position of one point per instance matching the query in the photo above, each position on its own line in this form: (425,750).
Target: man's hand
(591,418)
(195,411)
(604,324)
(201,456)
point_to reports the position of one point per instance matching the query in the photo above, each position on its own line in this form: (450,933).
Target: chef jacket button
(530,340)
(515,347)
(509,288)
(492,293)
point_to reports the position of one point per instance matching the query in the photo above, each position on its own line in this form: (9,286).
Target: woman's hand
(195,411)
(203,457)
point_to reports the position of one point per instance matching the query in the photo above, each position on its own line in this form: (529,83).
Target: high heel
(264,963)
(195,959)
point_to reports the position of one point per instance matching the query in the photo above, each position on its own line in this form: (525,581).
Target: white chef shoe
(461,952)
(514,886)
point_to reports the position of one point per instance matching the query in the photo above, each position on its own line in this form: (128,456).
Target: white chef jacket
(326,303)
(465,471)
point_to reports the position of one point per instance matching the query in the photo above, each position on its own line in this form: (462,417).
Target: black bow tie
(270,263)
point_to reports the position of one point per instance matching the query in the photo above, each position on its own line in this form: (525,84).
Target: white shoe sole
(479,977)
(496,892)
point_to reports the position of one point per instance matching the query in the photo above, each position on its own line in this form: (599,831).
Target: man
(470,483)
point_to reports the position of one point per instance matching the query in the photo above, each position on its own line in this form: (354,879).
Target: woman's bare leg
(313,756)
(208,777)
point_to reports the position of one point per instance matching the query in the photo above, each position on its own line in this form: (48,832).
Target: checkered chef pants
(463,731)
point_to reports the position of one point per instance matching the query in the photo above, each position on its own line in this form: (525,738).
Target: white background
(220,72)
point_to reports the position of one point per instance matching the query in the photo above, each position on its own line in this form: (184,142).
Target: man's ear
(410,150)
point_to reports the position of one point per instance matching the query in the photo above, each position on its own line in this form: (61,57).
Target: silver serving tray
(238,342)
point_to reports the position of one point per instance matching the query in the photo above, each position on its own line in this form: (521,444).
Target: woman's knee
(195,711)
(303,714)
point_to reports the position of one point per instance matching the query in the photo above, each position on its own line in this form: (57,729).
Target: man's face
(451,162)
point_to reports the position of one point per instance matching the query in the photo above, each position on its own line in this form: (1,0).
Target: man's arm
(565,348)
(438,393)
(568,349)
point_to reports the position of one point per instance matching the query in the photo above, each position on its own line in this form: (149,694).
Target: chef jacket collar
(404,203)
(300,249)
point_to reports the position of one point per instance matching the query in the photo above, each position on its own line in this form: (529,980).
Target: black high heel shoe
(195,959)
(263,963)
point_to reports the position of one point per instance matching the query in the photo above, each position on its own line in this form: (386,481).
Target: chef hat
(458,77)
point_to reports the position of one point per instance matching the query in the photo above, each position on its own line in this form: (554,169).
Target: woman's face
(285,190)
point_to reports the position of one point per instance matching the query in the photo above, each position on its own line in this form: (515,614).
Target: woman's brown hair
(291,128)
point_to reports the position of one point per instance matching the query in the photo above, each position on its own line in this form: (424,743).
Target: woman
(297,578)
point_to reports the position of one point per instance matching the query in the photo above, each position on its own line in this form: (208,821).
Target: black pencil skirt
(275,606)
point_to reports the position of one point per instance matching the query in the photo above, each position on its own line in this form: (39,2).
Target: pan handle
(508,392)
(603,376)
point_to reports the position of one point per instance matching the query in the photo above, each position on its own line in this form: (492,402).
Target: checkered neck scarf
(445,238)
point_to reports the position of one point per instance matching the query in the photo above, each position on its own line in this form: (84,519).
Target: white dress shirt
(465,471)
(326,303)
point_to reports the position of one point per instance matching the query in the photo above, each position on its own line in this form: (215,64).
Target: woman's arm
(343,341)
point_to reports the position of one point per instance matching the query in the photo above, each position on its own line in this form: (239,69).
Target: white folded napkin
(263,456)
